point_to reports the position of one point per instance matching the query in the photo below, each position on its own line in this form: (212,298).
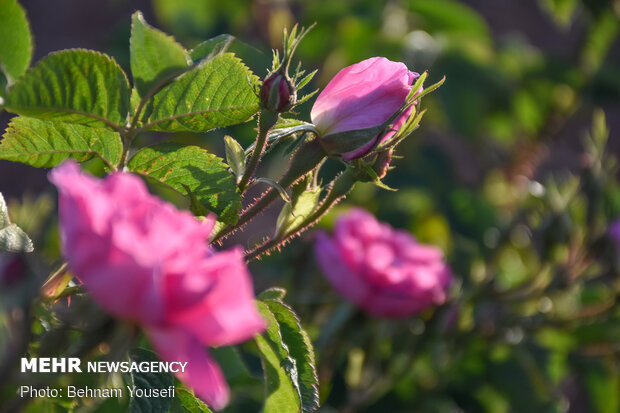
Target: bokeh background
(505,175)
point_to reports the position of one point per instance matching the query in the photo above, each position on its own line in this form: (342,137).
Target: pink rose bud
(143,260)
(277,94)
(384,271)
(351,111)
(378,162)
(382,164)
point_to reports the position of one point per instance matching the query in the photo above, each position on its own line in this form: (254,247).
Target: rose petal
(227,314)
(341,276)
(361,96)
(202,374)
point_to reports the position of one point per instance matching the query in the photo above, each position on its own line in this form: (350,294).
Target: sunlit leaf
(300,349)
(218,92)
(77,86)
(211,48)
(45,144)
(184,168)
(235,156)
(282,393)
(16,40)
(154,55)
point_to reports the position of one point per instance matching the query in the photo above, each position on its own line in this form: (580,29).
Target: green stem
(303,161)
(340,187)
(128,136)
(266,121)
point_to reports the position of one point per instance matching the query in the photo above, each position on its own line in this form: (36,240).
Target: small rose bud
(373,166)
(277,93)
(382,164)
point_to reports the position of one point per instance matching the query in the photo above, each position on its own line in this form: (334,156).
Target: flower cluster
(146,262)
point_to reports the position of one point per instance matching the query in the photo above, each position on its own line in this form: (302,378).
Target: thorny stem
(266,120)
(305,159)
(339,188)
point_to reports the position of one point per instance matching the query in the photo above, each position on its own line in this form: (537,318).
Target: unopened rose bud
(373,166)
(382,164)
(350,114)
(277,93)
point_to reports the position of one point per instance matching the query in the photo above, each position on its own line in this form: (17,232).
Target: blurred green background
(503,175)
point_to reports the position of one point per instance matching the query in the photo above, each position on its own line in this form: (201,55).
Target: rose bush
(384,271)
(144,261)
(364,96)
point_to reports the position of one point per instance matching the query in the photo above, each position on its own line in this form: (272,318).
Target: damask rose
(144,261)
(362,98)
(384,271)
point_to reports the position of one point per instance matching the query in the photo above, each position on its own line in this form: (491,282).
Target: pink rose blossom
(361,96)
(143,260)
(382,270)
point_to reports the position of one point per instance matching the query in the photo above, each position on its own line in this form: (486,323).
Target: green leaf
(236,370)
(146,381)
(235,156)
(154,56)
(303,82)
(282,393)
(186,402)
(211,48)
(300,349)
(217,93)
(295,213)
(45,144)
(77,86)
(191,169)
(16,43)
(274,293)
(12,237)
